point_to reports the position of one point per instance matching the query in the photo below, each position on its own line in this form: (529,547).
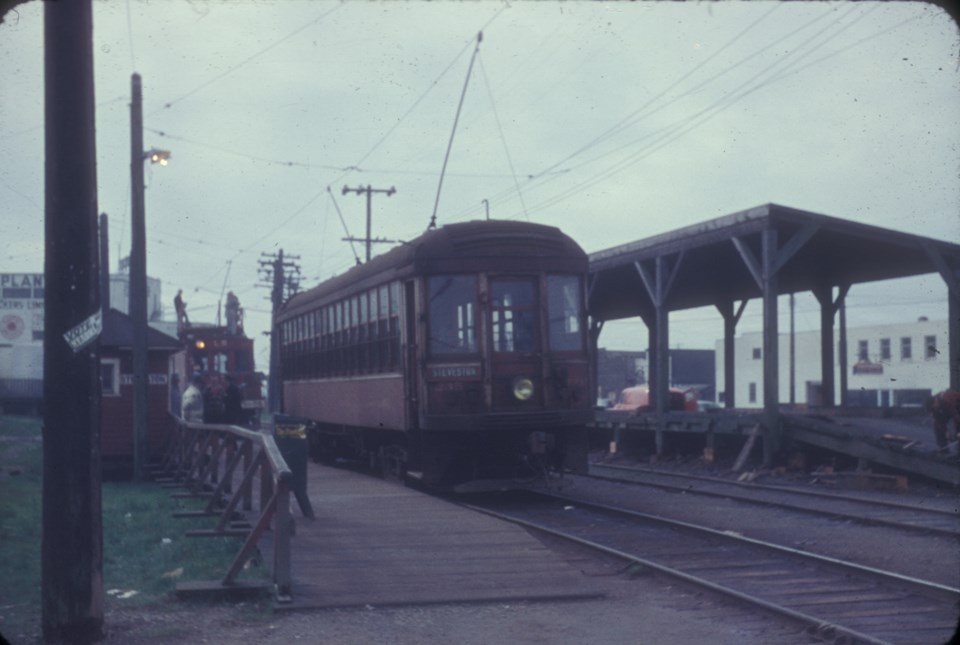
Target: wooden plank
(376,543)
(747,448)
(212,589)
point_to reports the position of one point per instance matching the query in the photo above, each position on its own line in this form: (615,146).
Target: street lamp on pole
(138,273)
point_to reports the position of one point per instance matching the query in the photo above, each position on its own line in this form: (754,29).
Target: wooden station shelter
(116,380)
(761,253)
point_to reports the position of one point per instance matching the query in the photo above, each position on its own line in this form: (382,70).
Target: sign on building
(21,308)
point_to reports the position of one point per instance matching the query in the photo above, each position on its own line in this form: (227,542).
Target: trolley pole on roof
(369,190)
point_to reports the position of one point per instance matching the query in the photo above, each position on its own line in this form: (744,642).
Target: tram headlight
(522,388)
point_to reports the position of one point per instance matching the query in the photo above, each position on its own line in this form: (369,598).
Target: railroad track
(928,520)
(836,600)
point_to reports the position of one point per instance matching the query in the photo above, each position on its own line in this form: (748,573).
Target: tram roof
(462,247)
(826,251)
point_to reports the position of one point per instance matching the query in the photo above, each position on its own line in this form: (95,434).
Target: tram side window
(452,307)
(200,362)
(394,343)
(563,305)
(513,316)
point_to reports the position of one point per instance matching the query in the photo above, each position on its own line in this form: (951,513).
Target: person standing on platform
(232,403)
(176,397)
(192,406)
(945,406)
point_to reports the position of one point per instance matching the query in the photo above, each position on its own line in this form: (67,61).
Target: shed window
(110,377)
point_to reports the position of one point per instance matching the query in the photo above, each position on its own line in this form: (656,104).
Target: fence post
(281,542)
(266,483)
(248,485)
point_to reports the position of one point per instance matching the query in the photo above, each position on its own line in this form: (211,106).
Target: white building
(21,332)
(891,365)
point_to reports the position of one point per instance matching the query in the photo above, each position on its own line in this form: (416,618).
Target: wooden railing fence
(221,463)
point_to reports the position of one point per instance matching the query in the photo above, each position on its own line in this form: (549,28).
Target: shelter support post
(951,277)
(730,320)
(658,285)
(828,310)
(844,361)
(771,380)
(596,326)
(953,338)
(824,296)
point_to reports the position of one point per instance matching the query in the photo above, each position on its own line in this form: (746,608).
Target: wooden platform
(903,441)
(377,543)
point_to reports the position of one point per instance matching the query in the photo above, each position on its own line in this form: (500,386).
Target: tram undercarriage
(460,460)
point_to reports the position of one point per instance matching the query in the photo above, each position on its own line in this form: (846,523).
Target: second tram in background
(457,357)
(218,354)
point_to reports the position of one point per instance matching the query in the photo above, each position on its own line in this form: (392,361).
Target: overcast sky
(614,121)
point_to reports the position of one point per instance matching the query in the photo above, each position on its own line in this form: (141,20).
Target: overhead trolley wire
(503,138)
(668,134)
(634,116)
(247,60)
(386,135)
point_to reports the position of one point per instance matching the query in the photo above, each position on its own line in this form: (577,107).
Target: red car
(638,398)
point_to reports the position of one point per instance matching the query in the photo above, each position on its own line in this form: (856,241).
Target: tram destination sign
(455,372)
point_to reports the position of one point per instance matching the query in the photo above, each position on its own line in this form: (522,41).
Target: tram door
(515,360)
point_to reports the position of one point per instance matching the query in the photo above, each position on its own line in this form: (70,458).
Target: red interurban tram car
(217,353)
(456,357)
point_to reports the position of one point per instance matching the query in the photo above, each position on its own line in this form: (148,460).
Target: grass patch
(136,520)
(19,427)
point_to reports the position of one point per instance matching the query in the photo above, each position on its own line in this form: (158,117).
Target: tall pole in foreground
(138,280)
(72,542)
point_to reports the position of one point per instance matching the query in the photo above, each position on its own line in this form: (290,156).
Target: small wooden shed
(116,379)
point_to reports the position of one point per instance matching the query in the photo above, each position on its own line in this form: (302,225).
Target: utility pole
(71,559)
(104,264)
(369,190)
(138,280)
(283,285)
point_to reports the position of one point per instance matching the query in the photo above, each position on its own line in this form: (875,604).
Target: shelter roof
(118,332)
(819,251)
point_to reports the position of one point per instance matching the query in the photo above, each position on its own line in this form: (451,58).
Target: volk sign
(85,333)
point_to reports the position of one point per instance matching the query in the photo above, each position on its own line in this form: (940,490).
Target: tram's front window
(513,316)
(563,305)
(452,306)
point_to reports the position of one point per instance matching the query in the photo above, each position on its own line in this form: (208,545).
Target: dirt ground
(636,610)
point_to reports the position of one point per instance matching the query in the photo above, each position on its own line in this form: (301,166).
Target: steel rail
(864,519)
(784,489)
(925,586)
(820,627)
